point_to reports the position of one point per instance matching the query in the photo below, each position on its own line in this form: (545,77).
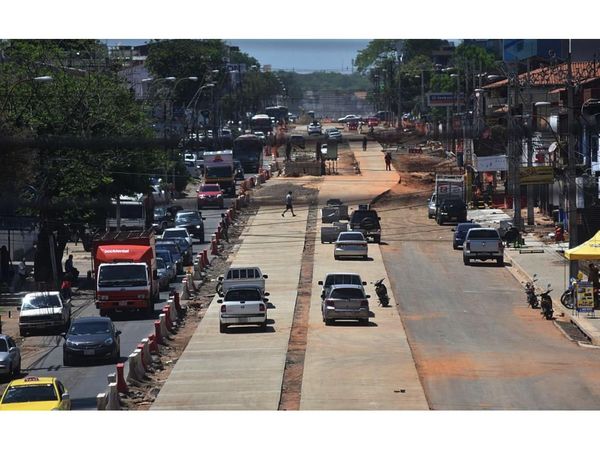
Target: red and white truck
(125,271)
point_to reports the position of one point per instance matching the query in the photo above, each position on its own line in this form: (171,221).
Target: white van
(241,276)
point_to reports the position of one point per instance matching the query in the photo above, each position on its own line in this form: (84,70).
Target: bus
(279,112)
(261,122)
(248,150)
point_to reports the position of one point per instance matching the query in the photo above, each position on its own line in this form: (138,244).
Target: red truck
(125,271)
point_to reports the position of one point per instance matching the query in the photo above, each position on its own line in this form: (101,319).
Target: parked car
(431,208)
(333,134)
(372,121)
(460,232)
(162,219)
(175,250)
(10,357)
(451,209)
(91,338)
(340,278)
(483,244)
(210,195)
(192,221)
(243,305)
(170,262)
(351,244)
(352,125)
(343,302)
(164,274)
(177,232)
(35,394)
(44,311)
(367,222)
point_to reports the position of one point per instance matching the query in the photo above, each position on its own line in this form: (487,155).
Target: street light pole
(571,176)
(530,187)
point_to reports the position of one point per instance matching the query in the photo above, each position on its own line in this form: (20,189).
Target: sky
(300,55)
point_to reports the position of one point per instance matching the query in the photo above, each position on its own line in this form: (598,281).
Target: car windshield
(112,275)
(160,263)
(159,212)
(187,218)
(41,301)
(165,255)
(169,247)
(466,227)
(169,234)
(249,295)
(95,327)
(342,279)
(483,234)
(210,188)
(347,293)
(351,237)
(183,243)
(3,346)
(33,393)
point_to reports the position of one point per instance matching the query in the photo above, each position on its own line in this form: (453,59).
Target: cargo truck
(218,169)
(125,271)
(446,187)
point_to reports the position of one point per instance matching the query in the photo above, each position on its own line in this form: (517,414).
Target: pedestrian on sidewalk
(20,277)
(594,278)
(288,204)
(5,265)
(225,227)
(65,287)
(388,161)
(364,143)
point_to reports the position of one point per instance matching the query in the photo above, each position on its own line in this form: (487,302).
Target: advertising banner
(536,175)
(491,163)
(584,301)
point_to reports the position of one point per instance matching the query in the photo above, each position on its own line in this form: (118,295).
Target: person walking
(388,161)
(20,277)
(288,204)
(364,143)
(65,286)
(5,265)
(225,227)
(594,278)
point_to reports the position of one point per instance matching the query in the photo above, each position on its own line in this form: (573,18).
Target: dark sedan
(460,232)
(91,338)
(175,250)
(191,221)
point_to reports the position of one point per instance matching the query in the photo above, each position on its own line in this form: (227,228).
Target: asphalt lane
(85,381)
(476,343)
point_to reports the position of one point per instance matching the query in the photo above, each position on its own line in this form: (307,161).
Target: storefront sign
(491,163)
(536,175)
(584,301)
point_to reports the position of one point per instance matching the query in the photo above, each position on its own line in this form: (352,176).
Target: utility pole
(529,113)
(514,155)
(571,175)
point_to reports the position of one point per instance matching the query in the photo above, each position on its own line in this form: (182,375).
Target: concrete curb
(136,369)
(579,322)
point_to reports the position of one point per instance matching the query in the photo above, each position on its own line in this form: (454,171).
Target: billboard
(536,175)
(491,163)
(443,99)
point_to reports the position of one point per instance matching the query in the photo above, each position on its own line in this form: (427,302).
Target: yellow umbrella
(588,250)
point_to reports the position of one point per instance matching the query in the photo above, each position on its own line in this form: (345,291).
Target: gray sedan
(351,244)
(10,357)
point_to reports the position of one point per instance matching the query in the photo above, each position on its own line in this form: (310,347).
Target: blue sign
(444,99)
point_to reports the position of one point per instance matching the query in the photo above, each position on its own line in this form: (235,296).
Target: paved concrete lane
(243,368)
(350,366)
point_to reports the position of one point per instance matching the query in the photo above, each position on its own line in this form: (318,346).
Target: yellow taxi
(35,394)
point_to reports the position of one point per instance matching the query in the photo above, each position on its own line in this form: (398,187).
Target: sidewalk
(547,262)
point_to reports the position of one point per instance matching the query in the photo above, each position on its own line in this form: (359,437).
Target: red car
(353,125)
(372,121)
(210,195)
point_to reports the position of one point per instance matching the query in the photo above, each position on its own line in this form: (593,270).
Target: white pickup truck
(243,305)
(483,244)
(241,276)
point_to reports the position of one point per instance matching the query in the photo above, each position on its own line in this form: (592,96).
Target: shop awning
(588,250)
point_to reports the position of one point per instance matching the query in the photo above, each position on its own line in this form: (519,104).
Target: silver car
(351,244)
(345,301)
(431,209)
(10,357)
(165,273)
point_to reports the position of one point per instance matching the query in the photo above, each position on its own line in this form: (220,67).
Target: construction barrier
(146,356)
(158,335)
(173,315)
(236,204)
(136,368)
(218,234)
(230,215)
(213,247)
(206,262)
(152,345)
(166,310)
(178,304)
(101,401)
(121,384)
(163,326)
(113,402)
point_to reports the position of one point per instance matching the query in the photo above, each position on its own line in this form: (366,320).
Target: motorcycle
(567,298)
(546,304)
(532,298)
(381,292)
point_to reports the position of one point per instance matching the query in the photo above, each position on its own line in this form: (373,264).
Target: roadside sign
(443,99)
(332,151)
(536,175)
(584,301)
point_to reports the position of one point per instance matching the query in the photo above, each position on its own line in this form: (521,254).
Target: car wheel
(67,361)
(466,261)
(500,262)
(329,321)
(363,321)
(365,258)
(117,356)
(336,257)
(222,327)
(22,332)
(377,239)
(102,313)
(455,247)
(263,326)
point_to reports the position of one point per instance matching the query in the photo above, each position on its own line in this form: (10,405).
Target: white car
(348,117)
(243,305)
(313,128)
(260,135)
(177,232)
(43,311)
(333,134)
(351,244)
(431,209)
